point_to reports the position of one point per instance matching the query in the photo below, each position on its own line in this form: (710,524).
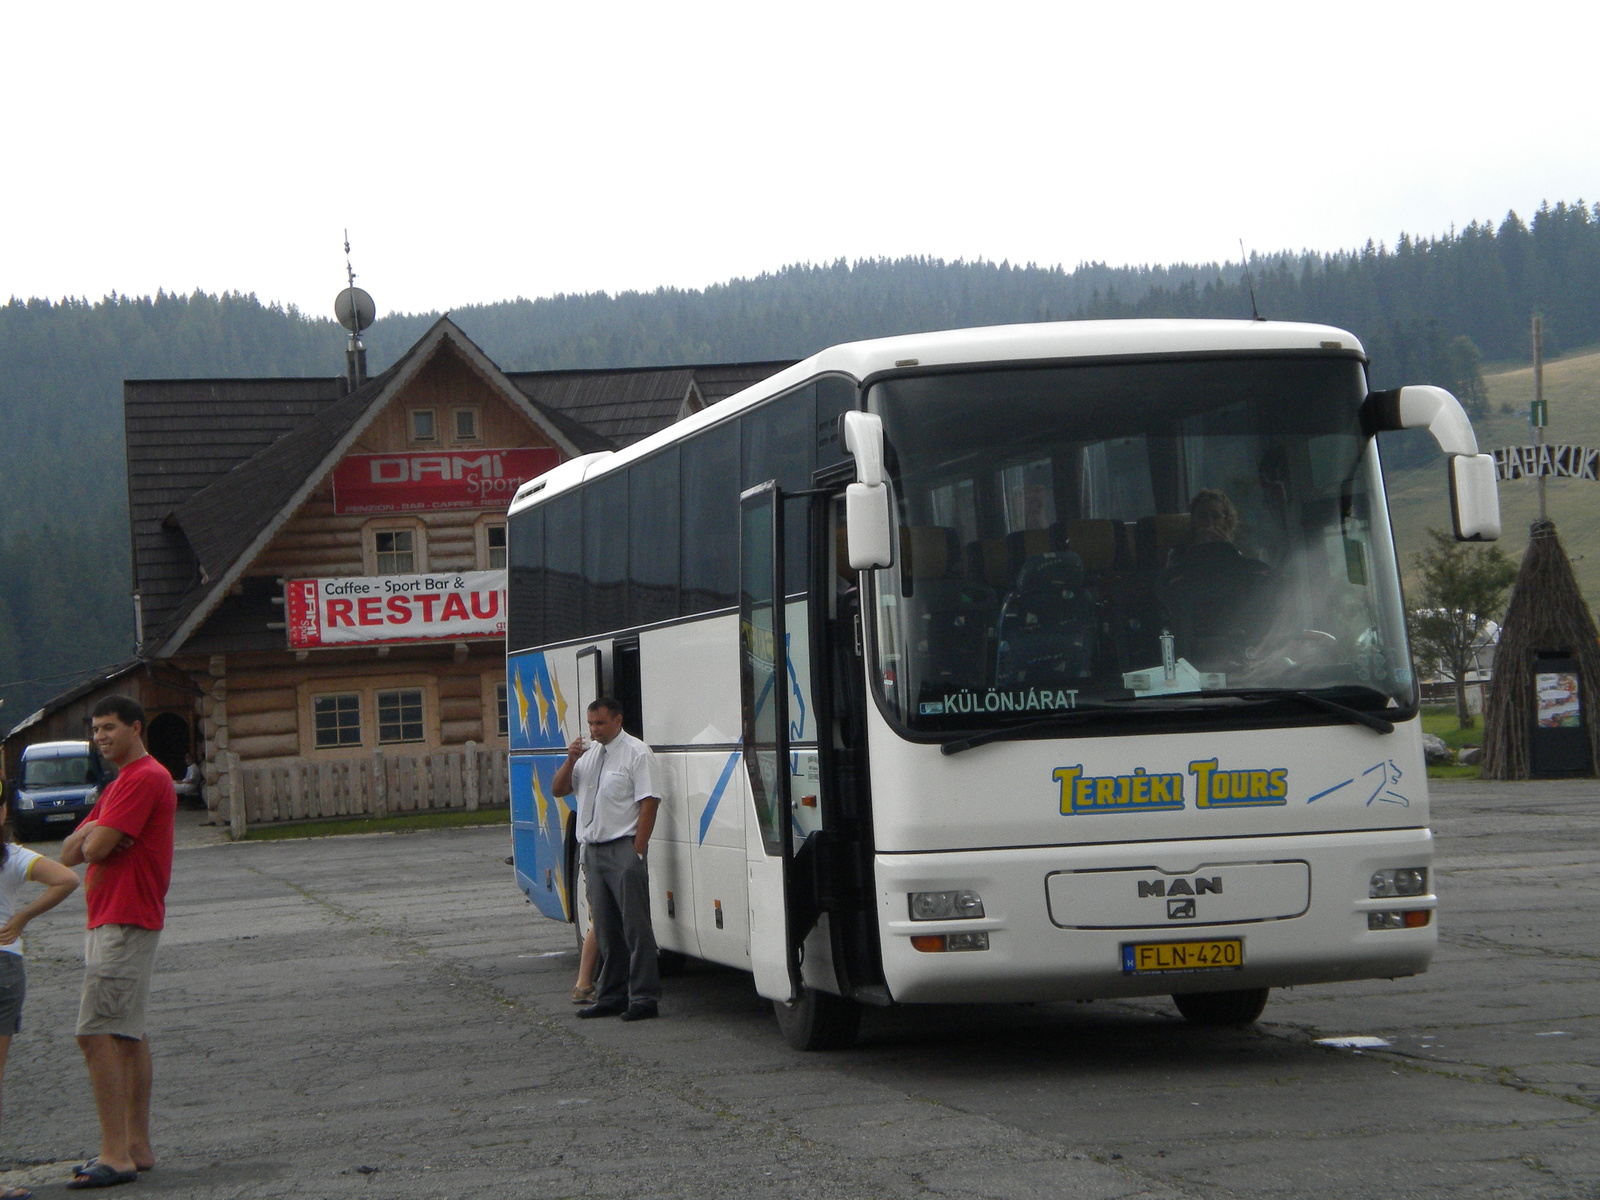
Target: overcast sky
(480,151)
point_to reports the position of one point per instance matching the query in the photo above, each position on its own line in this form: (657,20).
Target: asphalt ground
(385,1016)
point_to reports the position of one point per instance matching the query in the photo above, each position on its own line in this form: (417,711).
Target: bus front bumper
(1091,922)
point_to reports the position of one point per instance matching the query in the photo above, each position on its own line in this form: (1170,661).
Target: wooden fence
(376,786)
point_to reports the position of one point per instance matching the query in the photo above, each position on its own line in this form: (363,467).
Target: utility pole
(1537,416)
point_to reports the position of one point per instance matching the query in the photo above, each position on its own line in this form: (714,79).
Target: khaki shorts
(118,961)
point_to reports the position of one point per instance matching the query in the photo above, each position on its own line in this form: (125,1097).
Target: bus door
(779,742)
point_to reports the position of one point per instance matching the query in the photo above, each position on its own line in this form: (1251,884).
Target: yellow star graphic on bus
(538,797)
(561,704)
(522,701)
(544,705)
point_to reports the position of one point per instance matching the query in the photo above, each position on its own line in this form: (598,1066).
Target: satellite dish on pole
(354,309)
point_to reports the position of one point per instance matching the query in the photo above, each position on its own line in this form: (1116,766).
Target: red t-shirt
(130,886)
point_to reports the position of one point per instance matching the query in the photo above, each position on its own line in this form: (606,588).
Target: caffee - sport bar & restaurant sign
(355,610)
(429,481)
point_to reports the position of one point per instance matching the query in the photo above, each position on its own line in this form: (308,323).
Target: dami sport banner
(353,610)
(433,482)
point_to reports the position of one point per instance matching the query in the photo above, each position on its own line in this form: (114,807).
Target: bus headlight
(945,906)
(1398,881)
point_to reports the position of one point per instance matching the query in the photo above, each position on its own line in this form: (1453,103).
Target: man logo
(1180,887)
(1180,910)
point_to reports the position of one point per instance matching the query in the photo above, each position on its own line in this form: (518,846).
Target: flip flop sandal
(99,1175)
(583,995)
(16,1193)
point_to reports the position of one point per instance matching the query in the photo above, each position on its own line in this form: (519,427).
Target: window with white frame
(400,716)
(466,423)
(494,545)
(502,710)
(337,720)
(395,551)
(424,425)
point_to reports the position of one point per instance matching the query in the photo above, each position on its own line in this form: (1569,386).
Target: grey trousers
(619,903)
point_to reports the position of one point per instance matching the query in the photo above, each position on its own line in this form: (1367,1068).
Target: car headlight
(1398,881)
(945,906)
(24,803)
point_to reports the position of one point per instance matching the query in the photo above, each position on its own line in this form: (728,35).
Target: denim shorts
(13,987)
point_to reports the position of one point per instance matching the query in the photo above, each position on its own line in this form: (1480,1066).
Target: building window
(337,720)
(466,424)
(423,427)
(395,551)
(400,716)
(494,539)
(502,711)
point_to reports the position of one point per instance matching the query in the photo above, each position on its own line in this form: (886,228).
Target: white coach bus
(1042,662)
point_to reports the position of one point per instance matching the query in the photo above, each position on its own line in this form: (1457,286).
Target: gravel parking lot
(385,1016)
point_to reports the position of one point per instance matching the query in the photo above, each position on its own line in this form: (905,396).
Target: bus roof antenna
(1255,313)
(356,311)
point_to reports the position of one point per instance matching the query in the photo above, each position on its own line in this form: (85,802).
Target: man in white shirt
(614,777)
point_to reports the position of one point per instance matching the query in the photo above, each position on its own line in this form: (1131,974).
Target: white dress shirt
(609,782)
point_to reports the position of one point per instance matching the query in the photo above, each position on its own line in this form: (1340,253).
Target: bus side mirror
(1474,497)
(869,531)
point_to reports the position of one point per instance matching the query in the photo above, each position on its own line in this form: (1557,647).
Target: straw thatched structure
(1547,614)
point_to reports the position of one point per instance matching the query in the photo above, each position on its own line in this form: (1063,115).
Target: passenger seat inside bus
(1047,625)
(953,616)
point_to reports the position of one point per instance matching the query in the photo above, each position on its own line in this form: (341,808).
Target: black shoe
(602,1010)
(640,1010)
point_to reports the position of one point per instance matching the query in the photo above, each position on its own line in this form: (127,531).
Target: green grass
(1440,720)
(406,824)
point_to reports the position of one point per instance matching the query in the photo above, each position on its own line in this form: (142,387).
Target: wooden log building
(319,570)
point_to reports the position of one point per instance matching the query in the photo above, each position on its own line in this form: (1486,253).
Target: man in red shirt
(127,842)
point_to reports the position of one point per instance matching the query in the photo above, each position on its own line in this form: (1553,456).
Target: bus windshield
(1174,534)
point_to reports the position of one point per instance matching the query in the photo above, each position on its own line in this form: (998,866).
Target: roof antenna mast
(354,310)
(1255,313)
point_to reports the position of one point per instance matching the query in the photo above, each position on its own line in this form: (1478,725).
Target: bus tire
(1222,1008)
(670,963)
(818,1021)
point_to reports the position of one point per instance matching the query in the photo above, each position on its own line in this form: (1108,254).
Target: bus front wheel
(1222,1008)
(819,1021)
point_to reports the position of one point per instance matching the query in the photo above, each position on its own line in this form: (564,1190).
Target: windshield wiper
(1354,716)
(1076,716)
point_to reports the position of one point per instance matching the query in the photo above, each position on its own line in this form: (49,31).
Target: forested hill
(1427,309)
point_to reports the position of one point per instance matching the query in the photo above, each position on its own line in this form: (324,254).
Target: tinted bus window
(653,539)
(525,580)
(709,491)
(778,444)
(563,569)
(836,396)
(605,554)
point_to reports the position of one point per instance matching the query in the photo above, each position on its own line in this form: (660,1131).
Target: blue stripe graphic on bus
(716,794)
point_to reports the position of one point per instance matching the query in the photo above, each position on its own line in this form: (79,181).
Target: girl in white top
(19,867)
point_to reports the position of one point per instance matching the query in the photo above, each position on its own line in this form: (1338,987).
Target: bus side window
(653,539)
(605,555)
(563,573)
(776,446)
(525,580)
(709,496)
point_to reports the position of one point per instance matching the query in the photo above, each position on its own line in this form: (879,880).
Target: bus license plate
(1149,958)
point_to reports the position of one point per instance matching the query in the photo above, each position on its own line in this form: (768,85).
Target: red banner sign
(353,610)
(430,480)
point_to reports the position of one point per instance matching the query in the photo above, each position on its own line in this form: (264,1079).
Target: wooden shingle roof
(184,435)
(625,404)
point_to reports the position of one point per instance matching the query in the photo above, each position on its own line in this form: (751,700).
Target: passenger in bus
(614,776)
(1214,594)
